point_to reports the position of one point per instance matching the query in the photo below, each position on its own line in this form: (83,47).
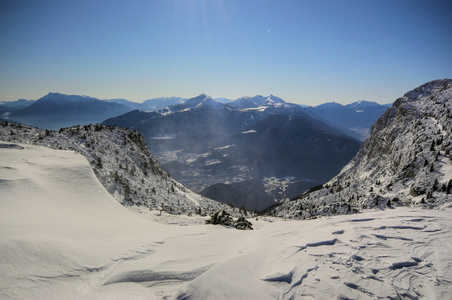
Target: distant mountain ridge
(21,103)
(62,110)
(56,110)
(162,102)
(356,118)
(6,107)
(406,161)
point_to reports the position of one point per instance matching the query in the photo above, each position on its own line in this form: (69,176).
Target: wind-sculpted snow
(406,161)
(63,236)
(339,258)
(149,276)
(122,162)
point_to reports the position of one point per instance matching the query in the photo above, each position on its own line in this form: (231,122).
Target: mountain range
(218,144)
(203,142)
(355,119)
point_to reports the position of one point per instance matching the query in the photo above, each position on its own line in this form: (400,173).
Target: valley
(203,143)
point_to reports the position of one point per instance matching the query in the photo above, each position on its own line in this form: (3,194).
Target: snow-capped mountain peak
(275,99)
(257,101)
(202,100)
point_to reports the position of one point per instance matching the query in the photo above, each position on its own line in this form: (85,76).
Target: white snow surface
(164,137)
(249,131)
(63,236)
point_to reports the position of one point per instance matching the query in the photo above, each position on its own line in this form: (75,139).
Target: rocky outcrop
(406,160)
(225,219)
(220,218)
(243,224)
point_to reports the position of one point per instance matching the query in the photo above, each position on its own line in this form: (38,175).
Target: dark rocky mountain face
(406,161)
(55,111)
(203,142)
(356,119)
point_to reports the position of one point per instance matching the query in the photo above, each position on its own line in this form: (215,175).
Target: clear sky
(303,51)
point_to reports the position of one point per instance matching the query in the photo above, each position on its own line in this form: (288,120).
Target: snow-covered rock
(406,161)
(121,160)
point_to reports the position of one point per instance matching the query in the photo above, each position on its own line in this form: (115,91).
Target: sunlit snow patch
(224,147)
(164,136)
(169,156)
(212,162)
(249,131)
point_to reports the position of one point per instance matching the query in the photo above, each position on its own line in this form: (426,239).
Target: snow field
(63,236)
(400,253)
(58,225)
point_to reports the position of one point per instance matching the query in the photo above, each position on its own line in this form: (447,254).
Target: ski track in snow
(62,236)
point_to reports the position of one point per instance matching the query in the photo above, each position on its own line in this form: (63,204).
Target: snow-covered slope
(62,236)
(396,254)
(122,162)
(406,161)
(58,224)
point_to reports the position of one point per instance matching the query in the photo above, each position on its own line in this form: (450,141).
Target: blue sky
(307,52)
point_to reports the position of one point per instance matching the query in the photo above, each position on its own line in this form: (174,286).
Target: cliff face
(406,160)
